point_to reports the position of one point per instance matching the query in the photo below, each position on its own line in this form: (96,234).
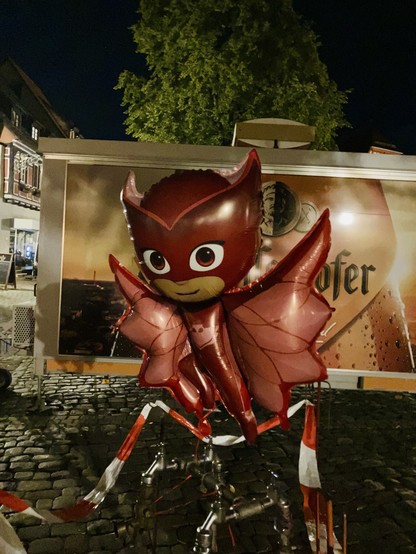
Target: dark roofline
(62,124)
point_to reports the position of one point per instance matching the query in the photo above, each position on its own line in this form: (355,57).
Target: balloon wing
(275,321)
(155,326)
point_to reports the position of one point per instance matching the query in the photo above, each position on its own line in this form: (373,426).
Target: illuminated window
(16,117)
(35,132)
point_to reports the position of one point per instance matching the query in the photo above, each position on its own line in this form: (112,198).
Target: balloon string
(177,486)
(233,541)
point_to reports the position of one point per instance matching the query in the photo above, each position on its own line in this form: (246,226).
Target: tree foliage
(213,63)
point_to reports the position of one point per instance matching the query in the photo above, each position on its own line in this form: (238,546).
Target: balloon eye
(206,257)
(156,262)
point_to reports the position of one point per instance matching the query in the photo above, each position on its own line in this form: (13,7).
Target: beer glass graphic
(368,330)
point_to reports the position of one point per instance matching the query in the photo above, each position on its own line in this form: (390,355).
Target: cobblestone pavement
(54,454)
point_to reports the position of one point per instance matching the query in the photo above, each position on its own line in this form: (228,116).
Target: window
(16,118)
(35,132)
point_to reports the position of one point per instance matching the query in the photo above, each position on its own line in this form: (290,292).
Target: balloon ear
(251,163)
(130,285)
(130,193)
(306,259)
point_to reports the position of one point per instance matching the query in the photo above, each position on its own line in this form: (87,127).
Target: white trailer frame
(59,154)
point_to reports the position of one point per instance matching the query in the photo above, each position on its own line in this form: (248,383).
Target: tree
(213,63)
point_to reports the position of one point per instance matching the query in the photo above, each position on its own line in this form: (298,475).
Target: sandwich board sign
(7,270)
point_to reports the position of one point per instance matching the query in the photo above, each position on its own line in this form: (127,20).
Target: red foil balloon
(196,235)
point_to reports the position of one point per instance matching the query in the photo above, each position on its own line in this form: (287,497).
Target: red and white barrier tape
(317,510)
(9,541)
(308,463)
(90,502)
(229,440)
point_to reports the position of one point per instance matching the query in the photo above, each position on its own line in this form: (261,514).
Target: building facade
(25,115)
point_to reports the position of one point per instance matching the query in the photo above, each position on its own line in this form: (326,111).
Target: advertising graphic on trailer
(369,275)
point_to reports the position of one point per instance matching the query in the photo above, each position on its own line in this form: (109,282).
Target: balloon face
(196,234)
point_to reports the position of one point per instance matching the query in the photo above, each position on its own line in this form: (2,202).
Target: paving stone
(246,543)
(34,495)
(373,485)
(62,502)
(166,536)
(44,504)
(33,532)
(41,475)
(109,542)
(44,458)
(179,549)
(76,544)
(69,528)
(46,546)
(100,527)
(20,458)
(64,483)
(262,544)
(9,445)
(52,465)
(59,449)
(22,466)
(33,450)
(71,491)
(39,485)
(187,533)
(257,487)
(63,474)
(164,550)
(25,443)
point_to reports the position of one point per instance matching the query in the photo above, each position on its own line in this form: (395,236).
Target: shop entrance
(23,243)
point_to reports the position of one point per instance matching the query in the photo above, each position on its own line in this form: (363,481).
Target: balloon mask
(205,339)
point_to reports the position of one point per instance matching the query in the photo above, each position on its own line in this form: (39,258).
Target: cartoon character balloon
(196,235)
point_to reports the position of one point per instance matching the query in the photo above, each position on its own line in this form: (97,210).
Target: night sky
(75,49)
(369,46)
